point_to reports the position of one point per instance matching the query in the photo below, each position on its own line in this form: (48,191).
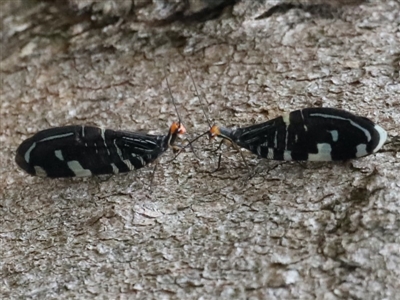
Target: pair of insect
(309,134)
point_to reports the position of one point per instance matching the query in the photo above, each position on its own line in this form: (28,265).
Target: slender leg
(179,149)
(192,148)
(153,175)
(219,146)
(241,153)
(236,148)
(219,158)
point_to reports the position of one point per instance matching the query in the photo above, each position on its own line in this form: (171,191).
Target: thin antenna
(173,100)
(209,123)
(198,95)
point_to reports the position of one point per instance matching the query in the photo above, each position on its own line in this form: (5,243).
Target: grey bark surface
(323,231)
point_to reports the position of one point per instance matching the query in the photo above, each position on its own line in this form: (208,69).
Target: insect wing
(81,151)
(267,139)
(139,149)
(313,134)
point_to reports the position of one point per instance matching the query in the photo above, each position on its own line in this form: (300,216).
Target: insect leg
(153,175)
(241,153)
(219,163)
(219,158)
(236,148)
(219,146)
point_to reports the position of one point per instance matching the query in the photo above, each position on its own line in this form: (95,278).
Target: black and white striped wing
(312,134)
(85,151)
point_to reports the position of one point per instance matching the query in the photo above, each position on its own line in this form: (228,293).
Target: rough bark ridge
(327,231)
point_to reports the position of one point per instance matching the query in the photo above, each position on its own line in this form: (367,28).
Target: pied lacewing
(82,151)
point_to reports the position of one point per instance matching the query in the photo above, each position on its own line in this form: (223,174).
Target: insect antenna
(175,148)
(204,112)
(198,96)
(211,126)
(179,149)
(173,101)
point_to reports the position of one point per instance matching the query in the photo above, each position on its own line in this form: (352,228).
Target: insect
(80,151)
(309,134)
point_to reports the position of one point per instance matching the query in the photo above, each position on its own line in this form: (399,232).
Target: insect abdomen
(313,134)
(84,151)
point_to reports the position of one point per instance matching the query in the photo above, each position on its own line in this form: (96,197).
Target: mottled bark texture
(325,231)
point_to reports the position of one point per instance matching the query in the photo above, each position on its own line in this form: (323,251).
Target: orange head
(214,131)
(177,128)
